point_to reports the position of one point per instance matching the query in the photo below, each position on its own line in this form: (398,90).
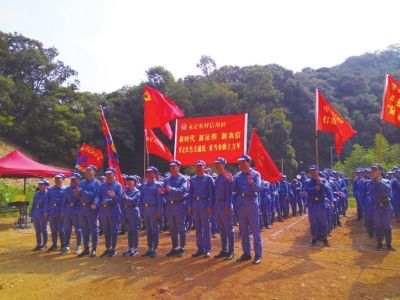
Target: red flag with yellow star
(391,102)
(328,119)
(262,161)
(159,110)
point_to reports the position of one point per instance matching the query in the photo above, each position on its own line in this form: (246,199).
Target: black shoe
(112,253)
(93,253)
(221,254)
(244,257)
(173,252)
(268,226)
(181,252)
(391,249)
(127,252)
(379,248)
(230,256)
(101,233)
(313,242)
(84,253)
(197,254)
(207,255)
(121,232)
(105,253)
(153,254)
(37,248)
(147,253)
(326,243)
(52,249)
(257,260)
(134,253)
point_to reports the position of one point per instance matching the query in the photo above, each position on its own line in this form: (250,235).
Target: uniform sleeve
(229,194)
(190,194)
(118,194)
(211,192)
(64,202)
(256,186)
(33,204)
(47,203)
(97,197)
(160,198)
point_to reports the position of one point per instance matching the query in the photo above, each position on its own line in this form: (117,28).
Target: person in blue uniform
(52,208)
(297,205)
(88,210)
(175,191)
(366,202)
(131,197)
(317,207)
(108,198)
(70,213)
(37,215)
(265,205)
(356,186)
(151,202)
(382,209)
(222,208)
(201,197)
(395,183)
(247,185)
(284,194)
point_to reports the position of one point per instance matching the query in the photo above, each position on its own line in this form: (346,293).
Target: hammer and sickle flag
(159,110)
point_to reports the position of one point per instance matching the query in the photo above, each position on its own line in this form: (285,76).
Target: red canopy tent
(16,165)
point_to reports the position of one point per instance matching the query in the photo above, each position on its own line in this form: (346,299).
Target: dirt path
(350,269)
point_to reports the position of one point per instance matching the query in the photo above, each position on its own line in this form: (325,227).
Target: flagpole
(379,150)
(316,128)
(251,138)
(144,153)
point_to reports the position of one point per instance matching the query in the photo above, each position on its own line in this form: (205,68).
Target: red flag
(391,102)
(88,155)
(262,161)
(166,129)
(159,110)
(328,119)
(156,147)
(111,151)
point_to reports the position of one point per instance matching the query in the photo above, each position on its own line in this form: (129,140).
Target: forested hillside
(43,111)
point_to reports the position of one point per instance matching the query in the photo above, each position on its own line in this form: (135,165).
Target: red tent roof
(16,164)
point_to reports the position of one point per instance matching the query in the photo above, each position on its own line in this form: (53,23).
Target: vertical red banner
(210,137)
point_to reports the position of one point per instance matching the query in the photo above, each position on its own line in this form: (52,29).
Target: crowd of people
(209,202)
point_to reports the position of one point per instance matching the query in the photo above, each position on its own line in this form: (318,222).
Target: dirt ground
(290,269)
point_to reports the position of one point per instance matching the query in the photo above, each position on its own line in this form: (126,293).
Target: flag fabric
(329,120)
(88,155)
(391,102)
(156,147)
(207,138)
(262,160)
(111,151)
(159,110)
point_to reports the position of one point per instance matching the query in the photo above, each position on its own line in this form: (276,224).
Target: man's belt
(72,204)
(39,206)
(384,202)
(317,198)
(219,200)
(244,195)
(106,204)
(176,200)
(130,206)
(149,204)
(200,198)
(56,204)
(85,204)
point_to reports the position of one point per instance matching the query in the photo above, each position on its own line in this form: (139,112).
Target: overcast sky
(112,43)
